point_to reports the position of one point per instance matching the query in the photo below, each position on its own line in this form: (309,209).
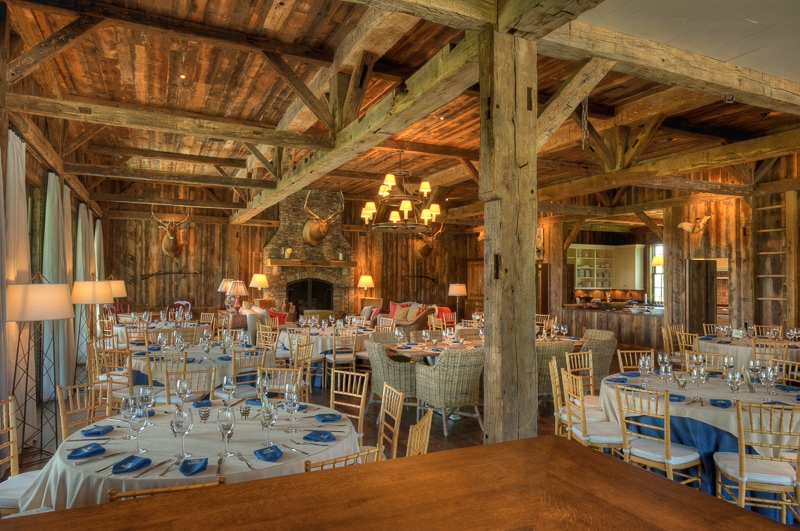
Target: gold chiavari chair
(789,371)
(267,339)
(369,455)
(629,359)
(391,415)
(201,383)
(302,362)
(688,345)
(360,320)
(714,362)
(419,435)
(117,368)
(385,324)
(78,406)
(769,331)
(158,364)
(114,494)
(598,435)
(297,336)
(349,397)
(136,334)
(278,377)
(208,318)
(580,364)
(434,323)
(16,484)
(709,329)
(343,354)
(765,350)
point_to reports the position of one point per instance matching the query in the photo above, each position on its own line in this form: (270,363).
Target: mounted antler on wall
(315,229)
(170,245)
(423,249)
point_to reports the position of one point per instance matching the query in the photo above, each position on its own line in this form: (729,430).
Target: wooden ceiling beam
(638,145)
(177,122)
(219,220)
(462,14)
(472,170)
(164,155)
(178,29)
(534,20)
(693,185)
(91,131)
(357,89)
(597,145)
(672,66)
(132,174)
(442,78)
(160,200)
(429,149)
(572,234)
(563,165)
(660,204)
(579,210)
(260,157)
(652,225)
(56,43)
(763,168)
(467,211)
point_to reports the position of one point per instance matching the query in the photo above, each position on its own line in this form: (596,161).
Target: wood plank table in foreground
(542,483)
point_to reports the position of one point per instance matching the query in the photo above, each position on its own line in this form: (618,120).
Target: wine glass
(769,376)
(188,315)
(146,317)
(734,381)
(228,386)
(301,321)
(398,336)
(207,334)
(161,340)
(699,377)
(426,335)
(127,407)
(137,422)
(324,324)
(269,415)
(290,404)
(163,316)
(226,420)
(644,369)
(182,390)
(755,369)
(179,345)
(145,398)
(134,317)
(480,333)
(263,385)
(182,423)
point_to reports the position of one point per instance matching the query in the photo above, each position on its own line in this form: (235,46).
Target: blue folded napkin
(130,463)
(253,402)
(319,436)
(456,341)
(720,403)
(724,342)
(477,346)
(787,388)
(437,349)
(202,403)
(794,346)
(89,450)
(189,360)
(142,353)
(96,431)
(630,374)
(300,407)
(713,375)
(775,402)
(193,466)
(151,412)
(412,343)
(617,380)
(328,417)
(573,338)
(706,338)
(215,344)
(224,358)
(676,398)
(656,372)
(154,348)
(270,453)
(404,347)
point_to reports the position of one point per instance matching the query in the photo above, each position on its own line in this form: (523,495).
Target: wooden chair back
(574,404)
(419,435)
(349,391)
(208,318)
(117,368)
(435,323)
(448,319)
(201,383)
(297,335)
(714,362)
(580,364)
(391,415)
(558,395)
(370,455)
(360,320)
(540,319)
(765,350)
(278,377)
(246,364)
(158,363)
(136,334)
(78,406)
(469,323)
(629,359)
(774,332)
(9,445)
(114,494)
(687,345)
(267,339)
(385,324)
(709,329)
(302,362)
(789,370)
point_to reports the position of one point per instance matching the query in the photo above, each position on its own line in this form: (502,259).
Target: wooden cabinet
(607,266)
(474,302)
(628,271)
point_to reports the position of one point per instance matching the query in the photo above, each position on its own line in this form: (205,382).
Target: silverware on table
(148,469)
(219,465)
(295,449)
(178,460)
(242,458)
(332,431)
(309,442)
(96,458)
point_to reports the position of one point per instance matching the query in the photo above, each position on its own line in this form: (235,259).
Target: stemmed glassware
(398,335)
(290,404)
(127,407)
(137,422)
(480,332)
(182,423)
(226,420)
(755,370)
(145,398)
(301,321)
(163,316)
(426,335)
(207,334)
(769,376)
(734,381)
(146,317)
(324,324)
(645,364)
(269,415)
(728,363)
(699,377)
(228,386)
(188,315)
(263,385)
(182,390)
(162,340)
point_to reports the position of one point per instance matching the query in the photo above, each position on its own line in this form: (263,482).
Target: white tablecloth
(62,485)
(119,330)
(742,349)
(323,342)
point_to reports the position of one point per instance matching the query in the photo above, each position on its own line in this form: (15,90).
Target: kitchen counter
(640,330)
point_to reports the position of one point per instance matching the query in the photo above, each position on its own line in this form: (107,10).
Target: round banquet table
(119,329)
(63,485)
(740,348)
(323,342)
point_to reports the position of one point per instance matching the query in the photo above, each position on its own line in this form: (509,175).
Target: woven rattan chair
(369,455)
(454,382)
(598,435)
(383,338)
(544,351)
(603,352)
(12,488)
(419,435)
(468,334)
(774,430)
(390,418)
(349,396)
(646,435)
(629,359)
(399,374)
(765,350)
(201,384)
(78,406)
(601,335)
(114,494)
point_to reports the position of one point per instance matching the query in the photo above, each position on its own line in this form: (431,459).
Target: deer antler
(338,211)
(184,220)
(305,207)
(161,224)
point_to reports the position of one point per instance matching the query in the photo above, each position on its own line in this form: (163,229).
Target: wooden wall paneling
(792,271)
(741,267)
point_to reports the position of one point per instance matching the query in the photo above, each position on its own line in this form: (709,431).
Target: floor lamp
(31,305)
(457,291)
(89,293)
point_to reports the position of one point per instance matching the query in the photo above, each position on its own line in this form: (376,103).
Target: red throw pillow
(281,316)
(375,313)
(442,310)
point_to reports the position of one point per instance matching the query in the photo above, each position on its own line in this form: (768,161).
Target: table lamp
(457,291)
(365,282)
(224,286)
(259,280)
(237,289)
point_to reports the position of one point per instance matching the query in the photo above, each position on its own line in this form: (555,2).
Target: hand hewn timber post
(508,189)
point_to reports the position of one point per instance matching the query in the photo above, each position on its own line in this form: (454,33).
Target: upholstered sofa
(418,322)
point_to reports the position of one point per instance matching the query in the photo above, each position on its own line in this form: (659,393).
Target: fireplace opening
(310,294)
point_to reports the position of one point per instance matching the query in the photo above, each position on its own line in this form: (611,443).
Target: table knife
(96,458)
(295,449)
(146,470)
(178,460)
(219,465)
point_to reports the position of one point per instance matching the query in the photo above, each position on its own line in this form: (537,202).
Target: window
(657,278)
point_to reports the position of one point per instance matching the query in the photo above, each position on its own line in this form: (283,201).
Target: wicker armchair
(454,382)
(603,351)
(419,322)
(544,351)
(382,337)
(593,333)
(416,335)
(468,334)
(398,374)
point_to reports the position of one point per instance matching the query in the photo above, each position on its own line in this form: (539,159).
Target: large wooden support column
(508,189)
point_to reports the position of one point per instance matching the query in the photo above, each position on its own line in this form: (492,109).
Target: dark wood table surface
(542,483)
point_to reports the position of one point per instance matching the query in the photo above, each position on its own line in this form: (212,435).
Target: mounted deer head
(170,245)
(423,249)
(315,229)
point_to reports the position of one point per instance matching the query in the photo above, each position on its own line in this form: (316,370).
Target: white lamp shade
(225,285)
(389,180)
(38,302)
(259,281)
(238,289)
(457,290)
(370,207)
(658,260)
(366,282)
(425,188)
(92,292)
(118,288)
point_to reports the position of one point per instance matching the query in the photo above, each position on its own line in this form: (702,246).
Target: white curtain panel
(6,363)
(18,271)
(58,360)
(69,324)
(99,261)
(84,269)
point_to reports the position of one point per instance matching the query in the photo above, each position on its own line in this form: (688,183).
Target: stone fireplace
(314,275)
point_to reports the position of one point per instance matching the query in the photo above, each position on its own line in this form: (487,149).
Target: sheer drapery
(58,360)
(99,261)
(18,271)
(6,361)
(84,270)
(66,203)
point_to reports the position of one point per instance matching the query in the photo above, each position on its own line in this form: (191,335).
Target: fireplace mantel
(280,262)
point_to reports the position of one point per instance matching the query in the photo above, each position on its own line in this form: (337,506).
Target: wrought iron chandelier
(407,213)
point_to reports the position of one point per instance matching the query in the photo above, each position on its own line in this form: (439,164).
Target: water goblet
(182,423)
(734,381)
(207,334)
(301,321)
(127,408)
(699,377)
(426,335)
(161,340)
(755,370)
(182,390)
(137,422)
(269,415)
(291,405)
(769,377)
(228,386)
(226,420)
(331,319)
(398,335)
(263,385)
(324,324)
(163,316)
(134,317)
(668,376)
(188,315)
(145,398)
(480,333)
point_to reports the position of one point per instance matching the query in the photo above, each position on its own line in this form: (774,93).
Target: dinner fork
(308,442)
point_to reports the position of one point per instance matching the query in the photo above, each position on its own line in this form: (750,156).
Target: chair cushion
(654,451)
(592,415)
(362,355)
(341,357)
(591,401)
(11,489)
(771,472)
(600,432)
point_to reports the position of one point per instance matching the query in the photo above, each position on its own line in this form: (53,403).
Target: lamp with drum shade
(237,289)
(457,291)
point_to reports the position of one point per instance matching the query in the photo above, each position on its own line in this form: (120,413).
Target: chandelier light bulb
(405,206)
(394,216)
(370,207)
(435,211)
(389,180)
(425,188)
(383,191)
(366,215)
(425,216)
